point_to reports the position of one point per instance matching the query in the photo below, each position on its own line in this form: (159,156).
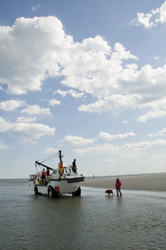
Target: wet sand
(148,182)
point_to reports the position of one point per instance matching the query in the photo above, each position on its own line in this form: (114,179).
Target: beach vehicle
(59,181)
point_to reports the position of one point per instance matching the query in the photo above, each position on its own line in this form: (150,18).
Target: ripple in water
(93,221)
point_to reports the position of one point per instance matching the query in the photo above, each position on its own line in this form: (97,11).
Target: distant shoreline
(148,182)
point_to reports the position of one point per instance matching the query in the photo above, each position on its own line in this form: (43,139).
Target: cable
(49,157)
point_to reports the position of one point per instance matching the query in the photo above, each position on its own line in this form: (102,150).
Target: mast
(60,155)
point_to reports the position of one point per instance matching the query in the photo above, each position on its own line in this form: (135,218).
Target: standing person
(43,175)
(47,174)
(118,187)
(74,168)
(60,167)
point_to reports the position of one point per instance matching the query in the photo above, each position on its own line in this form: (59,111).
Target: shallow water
(93,221)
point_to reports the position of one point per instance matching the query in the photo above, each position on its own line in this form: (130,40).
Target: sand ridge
(148,182)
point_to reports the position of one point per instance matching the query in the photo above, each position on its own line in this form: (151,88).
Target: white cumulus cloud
(54,102)
(152,115)
(42,41)
(75,140)
(36,110)
(30,131)
(151,19)
(90,67)
(35,7)
(71,92)
(25,119)
(11,105)
(25,131)
(50,150)
(126,150)
(4,125)
(108,137)
(112,102)
(159,133)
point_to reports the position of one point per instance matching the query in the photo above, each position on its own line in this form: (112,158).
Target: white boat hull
(61,186)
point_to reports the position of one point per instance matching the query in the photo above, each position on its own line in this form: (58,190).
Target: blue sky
(84,77)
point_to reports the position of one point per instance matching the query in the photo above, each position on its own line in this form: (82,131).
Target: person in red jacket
(43,175)
(118,187)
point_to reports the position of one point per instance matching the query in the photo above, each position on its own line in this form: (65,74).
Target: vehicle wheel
(36,191)
(56,194)
(78,192)
(50,193)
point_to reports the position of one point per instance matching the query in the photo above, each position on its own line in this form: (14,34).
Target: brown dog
(109,191)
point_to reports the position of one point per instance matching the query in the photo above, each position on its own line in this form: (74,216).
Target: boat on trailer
(60,181)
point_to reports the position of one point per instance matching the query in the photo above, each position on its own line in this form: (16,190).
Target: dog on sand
(109,191)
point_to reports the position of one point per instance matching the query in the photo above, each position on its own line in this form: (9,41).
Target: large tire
(36,190)
(77,193)
(52,193)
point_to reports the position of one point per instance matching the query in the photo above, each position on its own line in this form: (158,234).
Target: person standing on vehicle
(118,187)
(43,175)
(74,168)
(60,167)
(47,174)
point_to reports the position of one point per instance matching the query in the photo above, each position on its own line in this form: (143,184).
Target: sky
(84,77)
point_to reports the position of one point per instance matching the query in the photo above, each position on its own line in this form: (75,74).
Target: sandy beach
(148,182)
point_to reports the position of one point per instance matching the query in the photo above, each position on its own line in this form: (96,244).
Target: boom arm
(39,163)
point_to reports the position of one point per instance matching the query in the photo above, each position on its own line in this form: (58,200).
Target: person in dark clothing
(74,168)
(47,172)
